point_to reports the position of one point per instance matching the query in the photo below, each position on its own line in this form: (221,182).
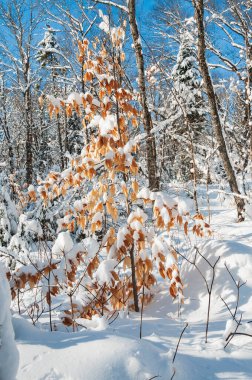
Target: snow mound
(238,259)
(9,357)
(89,355)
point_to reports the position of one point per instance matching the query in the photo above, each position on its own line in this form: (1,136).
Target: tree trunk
(58,126)
(147,121)
(248,95)
(29,138)
(133,276)
(4,124)
(199,15)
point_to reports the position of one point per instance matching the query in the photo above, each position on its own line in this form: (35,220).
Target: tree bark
(147,120)
(4,125)
(199,15)
(29,138)
(133,277)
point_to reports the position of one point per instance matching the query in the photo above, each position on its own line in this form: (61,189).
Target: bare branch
(113,4)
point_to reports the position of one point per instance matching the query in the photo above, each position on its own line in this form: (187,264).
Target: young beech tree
(111,234)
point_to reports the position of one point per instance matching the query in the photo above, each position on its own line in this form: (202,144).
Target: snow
(92,246)
(144,193)
(129,146)
(77,277)
(78,205)
(66,173)
(231,326)
(95,324)
(122,232)
(107,125)
(103,273)
(89,355)
(9,357)
(4,224)
(54,101)
(75,97)
(96,103)
(63,243)
(107,349)
(104,25)
(136,225)
(185,205)
(31,226)
(30,188)
(97,217)
(158,246)
(137,214)
(161,198)
(110,155)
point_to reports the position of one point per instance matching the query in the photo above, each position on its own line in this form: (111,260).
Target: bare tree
(147,120)
(20,20)
(217,127)
(4,125)
(234,23)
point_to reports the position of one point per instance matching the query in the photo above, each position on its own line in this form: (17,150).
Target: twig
(174,372)
(232,315)
(142,306)
(112,3)
(181,334)
(80,324)
(227,193)
(231,335)
(209,289)
(237,333)
(238,285)
(114,319)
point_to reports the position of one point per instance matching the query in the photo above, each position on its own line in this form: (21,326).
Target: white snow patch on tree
(92,246)
(103,273)
(63,243)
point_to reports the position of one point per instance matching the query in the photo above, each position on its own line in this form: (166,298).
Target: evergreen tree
(75,134)
(188,105)
(8,212)
(187,83)
(48,56)
(47,48)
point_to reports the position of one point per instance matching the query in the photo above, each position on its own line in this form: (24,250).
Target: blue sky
(142,8)
(147,3)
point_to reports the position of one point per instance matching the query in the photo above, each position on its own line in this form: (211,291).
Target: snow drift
(9,357)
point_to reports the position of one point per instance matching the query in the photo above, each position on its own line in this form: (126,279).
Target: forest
(125,189)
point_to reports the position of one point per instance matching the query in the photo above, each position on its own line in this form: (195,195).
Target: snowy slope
(117,352)
(110,354)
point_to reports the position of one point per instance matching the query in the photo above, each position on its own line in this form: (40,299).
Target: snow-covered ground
(8,350)
(114,351)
